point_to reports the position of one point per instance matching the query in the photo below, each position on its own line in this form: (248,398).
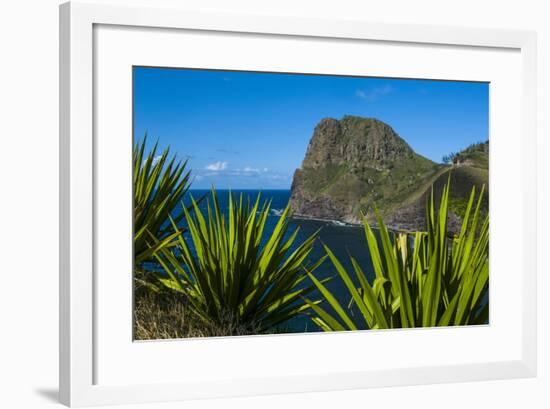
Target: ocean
(343,240)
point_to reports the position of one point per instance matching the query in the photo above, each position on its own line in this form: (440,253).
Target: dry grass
(166,316)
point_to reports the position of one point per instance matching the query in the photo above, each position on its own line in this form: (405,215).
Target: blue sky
(245,130)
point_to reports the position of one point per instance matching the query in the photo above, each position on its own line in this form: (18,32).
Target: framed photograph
(258,204)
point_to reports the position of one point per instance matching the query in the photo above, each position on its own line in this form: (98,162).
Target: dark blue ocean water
(343,240)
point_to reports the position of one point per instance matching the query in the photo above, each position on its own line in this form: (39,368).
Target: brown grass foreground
(166,316)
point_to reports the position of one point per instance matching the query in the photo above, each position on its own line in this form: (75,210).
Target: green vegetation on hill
(365,187)
(355,165)
(477,154)
(464,178)
(470,168)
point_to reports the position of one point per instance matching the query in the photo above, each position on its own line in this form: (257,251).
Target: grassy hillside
(366,187)
(472,169)
(462,180)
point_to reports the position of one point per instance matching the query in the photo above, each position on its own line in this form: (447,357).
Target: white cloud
(249,169)
(279,177)
(217,166)
(373,94)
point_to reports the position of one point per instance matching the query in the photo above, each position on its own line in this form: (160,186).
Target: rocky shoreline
(453,224)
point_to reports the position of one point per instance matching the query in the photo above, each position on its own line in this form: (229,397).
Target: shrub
(159,186)
(231,270)
(423,279)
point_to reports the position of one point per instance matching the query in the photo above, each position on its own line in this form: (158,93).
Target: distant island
(355,164)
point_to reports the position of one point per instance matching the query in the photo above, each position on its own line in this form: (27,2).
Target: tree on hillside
(455,157)
(450,158)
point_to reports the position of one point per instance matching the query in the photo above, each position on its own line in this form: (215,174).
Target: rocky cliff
(354,164)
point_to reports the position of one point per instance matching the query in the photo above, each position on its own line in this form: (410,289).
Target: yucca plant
(422,279)
(159,186)
(230,269)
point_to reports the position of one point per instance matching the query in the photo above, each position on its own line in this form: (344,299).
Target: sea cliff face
(354,165)
(355,142)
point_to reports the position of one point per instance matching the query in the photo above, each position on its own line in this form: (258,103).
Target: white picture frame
(78,157)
